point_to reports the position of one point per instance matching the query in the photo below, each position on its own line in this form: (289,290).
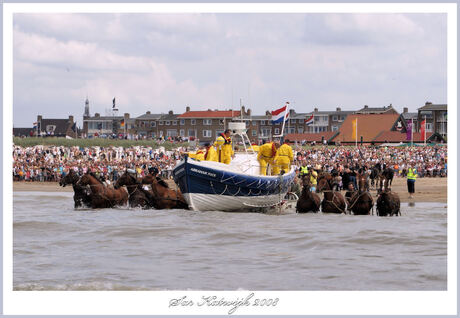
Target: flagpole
(412,133)
(424,131)
(284,118)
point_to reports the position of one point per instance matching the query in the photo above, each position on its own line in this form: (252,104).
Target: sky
(161,62)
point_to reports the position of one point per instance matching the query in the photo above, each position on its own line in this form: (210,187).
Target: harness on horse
(356,200)
(332,201)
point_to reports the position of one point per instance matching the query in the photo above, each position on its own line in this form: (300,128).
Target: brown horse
(388,204)
(81,195)
(163,196)
(308,200)
(361,202)
(138,197)
(374,176)
(333,202)
(101,196)
(385,179)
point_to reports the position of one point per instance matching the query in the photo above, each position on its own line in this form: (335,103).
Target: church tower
(86,117)
(86,114)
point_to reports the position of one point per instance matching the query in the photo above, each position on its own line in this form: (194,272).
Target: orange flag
(354,123)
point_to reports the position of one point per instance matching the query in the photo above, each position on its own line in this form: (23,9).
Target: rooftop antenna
(249,93)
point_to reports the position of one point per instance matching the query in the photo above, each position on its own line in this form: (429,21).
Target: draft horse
(81,195)
(138,197)
(102,196)
(388,204)
(386,179)
(361,202)
(333,202)
(163,196)
(374,175)
(308,201)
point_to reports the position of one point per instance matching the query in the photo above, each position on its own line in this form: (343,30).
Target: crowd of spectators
(429,161)
(47,163)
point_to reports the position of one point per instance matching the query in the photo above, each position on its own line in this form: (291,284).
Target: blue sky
(161,62)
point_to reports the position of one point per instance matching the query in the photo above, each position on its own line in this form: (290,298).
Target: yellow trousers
(226,159)
(281,163)
(263,162)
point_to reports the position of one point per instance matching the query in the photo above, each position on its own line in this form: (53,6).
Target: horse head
(363,185)
(84,180)
(323,184)
(69,178)
(306,182)
(127,179)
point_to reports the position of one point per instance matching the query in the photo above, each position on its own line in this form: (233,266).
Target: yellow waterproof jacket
(314,178)
(199,155)
(225,145)
(211,154)
(284,151)
(266,151)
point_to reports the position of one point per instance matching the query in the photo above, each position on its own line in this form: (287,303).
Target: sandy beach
(426,189)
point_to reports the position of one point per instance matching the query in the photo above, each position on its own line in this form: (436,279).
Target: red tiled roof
(396,136)
(369,126)
(310,137)
(210,114)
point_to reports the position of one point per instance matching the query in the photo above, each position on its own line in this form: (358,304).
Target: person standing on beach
(411,177)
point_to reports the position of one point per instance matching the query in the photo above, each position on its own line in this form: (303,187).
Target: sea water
(57,247)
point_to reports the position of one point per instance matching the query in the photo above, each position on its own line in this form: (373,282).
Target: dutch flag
(279,114)
(309,120)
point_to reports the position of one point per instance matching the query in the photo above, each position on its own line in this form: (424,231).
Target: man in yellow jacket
(211,153)
(266,155)
(283,159)
(198,155)
(224,147)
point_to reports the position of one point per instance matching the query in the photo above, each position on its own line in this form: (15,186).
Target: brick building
(55,127)
(436,118)
(205,125)
(98,125)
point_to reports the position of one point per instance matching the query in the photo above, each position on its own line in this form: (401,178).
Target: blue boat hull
(210,188)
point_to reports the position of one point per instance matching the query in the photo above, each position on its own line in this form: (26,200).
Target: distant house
(260,128)
(23,132)
(98,125)
(56,127)
(377,110)
(407,117)
(436,118)
(147,125)
(369,127)
(102,125)
(170,125)
(399,137)
(205,125)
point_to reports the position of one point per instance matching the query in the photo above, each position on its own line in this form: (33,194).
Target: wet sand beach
(426,189)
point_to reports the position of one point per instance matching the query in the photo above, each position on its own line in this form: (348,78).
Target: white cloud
(158,61)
